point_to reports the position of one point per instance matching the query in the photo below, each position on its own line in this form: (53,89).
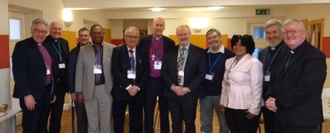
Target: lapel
(124,52)
(138,59)
(165,43)
(149,41)
(65,48)
(35,48)
(264,57)
(190,57)
(105,53)
(90,50)
(175,57)
(294,57)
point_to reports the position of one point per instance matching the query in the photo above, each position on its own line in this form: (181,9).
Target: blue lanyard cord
(271,61)
(231,66)
(58,50)
(211,66)
(100,53)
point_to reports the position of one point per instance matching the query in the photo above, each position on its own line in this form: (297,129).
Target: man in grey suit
(94,81)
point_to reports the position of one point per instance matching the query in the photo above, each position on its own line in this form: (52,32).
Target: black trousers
(238,123)
(56,108)
(81,118)
(35,121)
(183,109)
(268,120)
(154,88)
(279,128)
(135,116)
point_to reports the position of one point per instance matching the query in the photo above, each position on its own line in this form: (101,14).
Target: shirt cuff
(188,89)
(138,88)
(172,86)
(128,87)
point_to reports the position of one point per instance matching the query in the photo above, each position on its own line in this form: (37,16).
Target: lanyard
(100,53)
(231,66)
(287,61)
(183,57)
(58,50)
(271,61)
(156,51)
(211,66)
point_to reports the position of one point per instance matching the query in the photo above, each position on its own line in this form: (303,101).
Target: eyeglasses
(132,37)
(291,31)
(40,31)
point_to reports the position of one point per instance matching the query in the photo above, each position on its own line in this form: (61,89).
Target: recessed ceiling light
(214,8)
(157,9)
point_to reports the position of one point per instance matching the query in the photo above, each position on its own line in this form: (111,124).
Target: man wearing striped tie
(130,70)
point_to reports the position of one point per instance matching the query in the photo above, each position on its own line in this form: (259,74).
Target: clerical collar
(276,47)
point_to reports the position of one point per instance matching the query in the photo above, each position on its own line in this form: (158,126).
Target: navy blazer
(298,88)
(120,65)
(72,63)
(29,70)
(145,43)
(194,71)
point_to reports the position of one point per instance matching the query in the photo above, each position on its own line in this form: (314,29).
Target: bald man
(183,71)
(156,45)
(58,49)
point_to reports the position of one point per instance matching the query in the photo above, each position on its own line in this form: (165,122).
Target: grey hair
(37,21)
(132,28)
(183,26)
(274,22)
(210,31)
(289,21)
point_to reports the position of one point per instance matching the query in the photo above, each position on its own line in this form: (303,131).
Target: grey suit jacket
(85,78)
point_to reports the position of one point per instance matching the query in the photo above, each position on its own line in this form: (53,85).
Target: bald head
(55,30)
(158,26)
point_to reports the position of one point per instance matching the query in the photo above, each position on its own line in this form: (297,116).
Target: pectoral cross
(153,56)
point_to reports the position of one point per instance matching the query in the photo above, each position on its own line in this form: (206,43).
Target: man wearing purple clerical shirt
(156,45)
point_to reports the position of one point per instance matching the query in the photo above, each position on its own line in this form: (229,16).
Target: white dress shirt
(242,84)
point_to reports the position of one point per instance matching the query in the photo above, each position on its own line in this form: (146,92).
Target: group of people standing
(284,84)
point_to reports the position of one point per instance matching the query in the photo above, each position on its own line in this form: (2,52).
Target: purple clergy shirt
(48,62)
(156,53)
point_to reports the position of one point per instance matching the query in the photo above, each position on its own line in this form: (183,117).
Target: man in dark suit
(269,56)
(84,37)
(183,71)
(130,70)
(156,45)
(295,95)
(33,76)
(58,49)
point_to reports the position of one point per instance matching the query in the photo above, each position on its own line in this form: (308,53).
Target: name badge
(158,65)
(97,69)
(209,77)
(61,65)
(267,77)
(48,72)
(181,73)
(130,74)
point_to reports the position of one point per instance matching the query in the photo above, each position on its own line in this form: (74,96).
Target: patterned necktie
(180,63)
(131,59)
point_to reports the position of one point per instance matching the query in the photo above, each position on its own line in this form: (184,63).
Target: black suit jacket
(298,88)
(194,71)
(145,43)
(72,63)
(263,58)
(29,70)
(65,45)
(119,66)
